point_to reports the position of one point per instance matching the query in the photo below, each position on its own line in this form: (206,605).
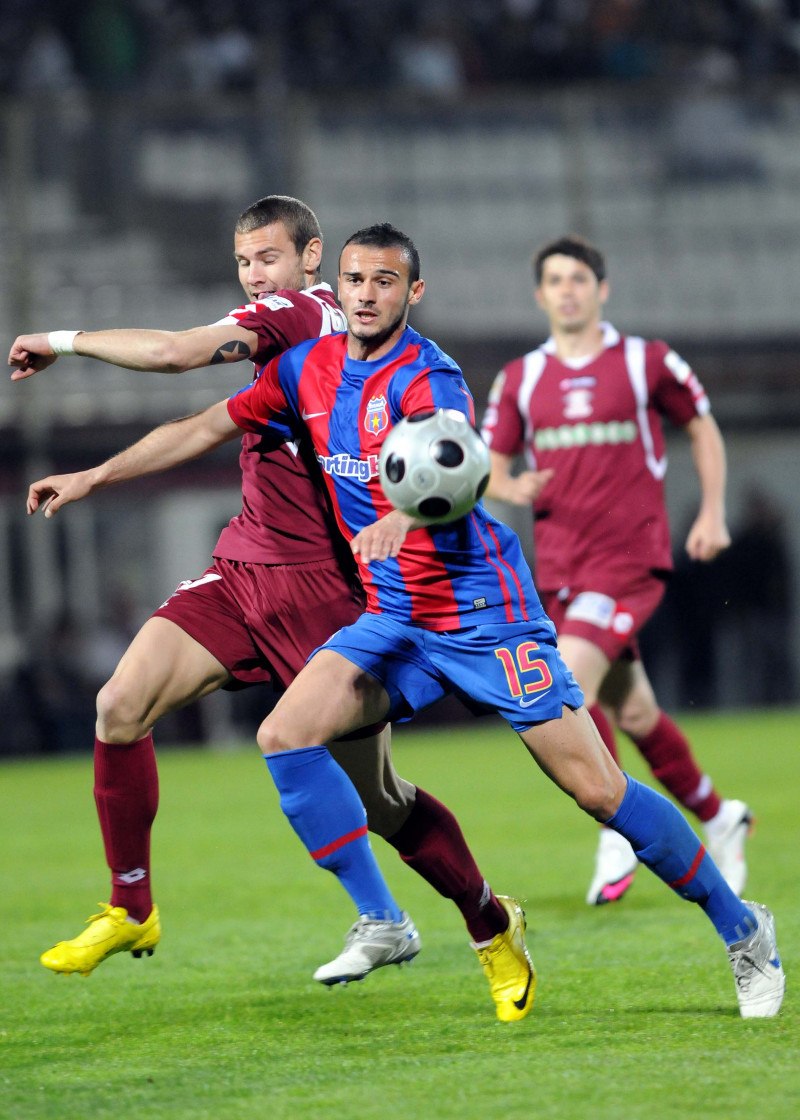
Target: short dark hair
(570,246)
(299,220)
(383,235)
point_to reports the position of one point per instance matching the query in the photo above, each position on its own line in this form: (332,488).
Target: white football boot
(757,969)
(369,944)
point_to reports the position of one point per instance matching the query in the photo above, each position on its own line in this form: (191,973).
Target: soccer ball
(434,465)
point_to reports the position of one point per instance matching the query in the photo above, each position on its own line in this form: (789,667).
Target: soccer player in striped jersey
(450,609)
(585,407)
(280,583)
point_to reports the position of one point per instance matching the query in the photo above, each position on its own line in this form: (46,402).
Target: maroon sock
(605,729)
(126,795)
(668,754)
(432,843)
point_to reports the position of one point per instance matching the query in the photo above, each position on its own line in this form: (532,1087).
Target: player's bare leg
(570,751)
(388,798)
(727,822)
(587,663)
(162,670)
(330,698)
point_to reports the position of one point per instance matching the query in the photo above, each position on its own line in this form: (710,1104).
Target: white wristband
(60,342)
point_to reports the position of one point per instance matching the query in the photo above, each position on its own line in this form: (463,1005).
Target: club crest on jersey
(377,417)
(578,393)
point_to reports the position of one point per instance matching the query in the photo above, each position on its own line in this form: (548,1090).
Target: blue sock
(664,842)
(325,811)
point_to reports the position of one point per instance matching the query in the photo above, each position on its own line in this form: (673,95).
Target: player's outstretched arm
(709,534)
(133,348)
(167,446)
(518,490)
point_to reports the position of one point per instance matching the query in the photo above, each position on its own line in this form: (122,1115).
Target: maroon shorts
(609,614)
(261,621)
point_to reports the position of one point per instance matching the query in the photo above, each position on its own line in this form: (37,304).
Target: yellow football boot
(508,966)
(109,932)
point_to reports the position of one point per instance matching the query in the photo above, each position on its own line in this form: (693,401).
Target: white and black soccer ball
(434,465)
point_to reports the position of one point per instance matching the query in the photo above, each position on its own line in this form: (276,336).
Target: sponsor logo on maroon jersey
(578,396)
(596,434)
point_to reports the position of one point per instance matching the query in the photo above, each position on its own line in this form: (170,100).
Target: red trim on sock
(335,845)
(690,874)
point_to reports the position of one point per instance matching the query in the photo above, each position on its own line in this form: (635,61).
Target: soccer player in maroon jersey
(586,409)
(451,608)
(277,588)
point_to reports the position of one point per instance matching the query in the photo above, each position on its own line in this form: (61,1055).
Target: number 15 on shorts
(527,676)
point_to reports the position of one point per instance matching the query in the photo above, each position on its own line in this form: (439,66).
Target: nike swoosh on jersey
(311,415)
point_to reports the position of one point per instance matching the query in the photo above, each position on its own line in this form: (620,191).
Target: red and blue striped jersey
(460,574)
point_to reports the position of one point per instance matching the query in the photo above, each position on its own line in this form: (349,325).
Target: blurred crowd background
(133,132)
(442,46)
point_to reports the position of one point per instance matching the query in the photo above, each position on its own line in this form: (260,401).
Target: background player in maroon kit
(586,409)
(277,588)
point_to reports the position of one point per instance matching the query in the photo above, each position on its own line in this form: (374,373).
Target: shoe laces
(361,927)
(490,954)
(745,960)
(105,912)
(744,968)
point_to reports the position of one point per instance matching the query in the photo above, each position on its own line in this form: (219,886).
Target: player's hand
(29,354)
(384,538)
(526,487)
(707,538)
(51,493)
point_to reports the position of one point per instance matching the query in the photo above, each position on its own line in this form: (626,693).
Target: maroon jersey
(285,517)
(597,423)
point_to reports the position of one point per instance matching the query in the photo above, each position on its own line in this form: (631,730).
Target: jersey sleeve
(503,427)
(675,388)
(437,388)
(280,321)
(261,405)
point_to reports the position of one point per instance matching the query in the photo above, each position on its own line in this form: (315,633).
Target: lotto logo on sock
(129,877)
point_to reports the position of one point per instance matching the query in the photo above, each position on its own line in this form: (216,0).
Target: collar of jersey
(610,338)
(354,365)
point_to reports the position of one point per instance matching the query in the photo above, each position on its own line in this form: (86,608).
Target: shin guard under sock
(126,795)
(664,842)
(324,809)
(431,842)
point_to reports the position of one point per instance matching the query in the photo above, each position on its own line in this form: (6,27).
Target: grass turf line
(635,1013)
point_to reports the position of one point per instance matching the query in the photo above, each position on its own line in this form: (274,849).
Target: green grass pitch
(635,1016)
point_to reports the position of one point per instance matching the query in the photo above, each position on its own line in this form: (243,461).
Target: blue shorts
(513,669)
